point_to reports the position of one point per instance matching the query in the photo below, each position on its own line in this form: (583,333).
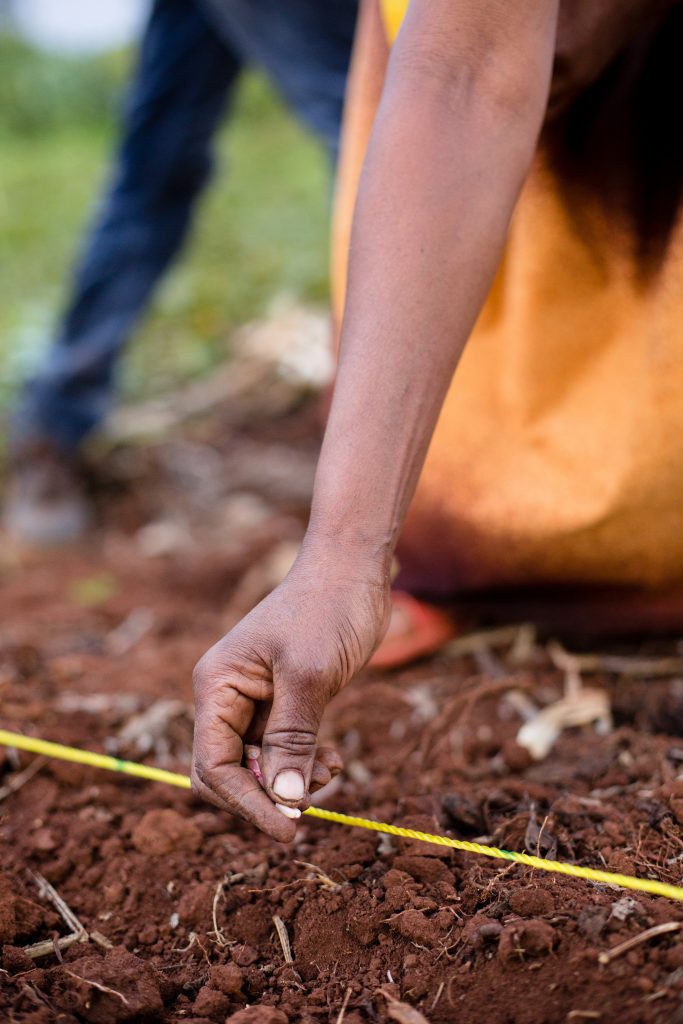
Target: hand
(269,680)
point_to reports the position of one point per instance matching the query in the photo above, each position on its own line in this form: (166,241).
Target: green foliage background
(261,229)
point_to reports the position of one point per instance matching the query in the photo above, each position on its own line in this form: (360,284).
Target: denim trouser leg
(304,46)
(191,54)
(178,95)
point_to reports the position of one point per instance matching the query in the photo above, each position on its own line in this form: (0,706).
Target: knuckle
(306,682)
(300,742)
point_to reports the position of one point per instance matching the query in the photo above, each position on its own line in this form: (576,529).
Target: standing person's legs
(178,95)
(304,46)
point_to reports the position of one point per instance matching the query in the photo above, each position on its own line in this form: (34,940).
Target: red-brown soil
(179,899)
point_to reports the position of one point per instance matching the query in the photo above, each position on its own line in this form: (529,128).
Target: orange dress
(558,456)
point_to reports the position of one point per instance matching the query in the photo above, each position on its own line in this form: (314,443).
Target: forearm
(444,168)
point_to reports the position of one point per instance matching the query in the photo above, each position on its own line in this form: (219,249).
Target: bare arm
(465,95)
(462,107)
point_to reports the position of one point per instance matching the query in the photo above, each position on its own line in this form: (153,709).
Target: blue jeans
(190,58)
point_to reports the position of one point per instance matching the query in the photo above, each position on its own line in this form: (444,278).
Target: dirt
(177,901)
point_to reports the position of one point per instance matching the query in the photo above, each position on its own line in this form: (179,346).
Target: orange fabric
(558,456)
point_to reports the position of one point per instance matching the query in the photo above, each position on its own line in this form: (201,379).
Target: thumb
(289,744)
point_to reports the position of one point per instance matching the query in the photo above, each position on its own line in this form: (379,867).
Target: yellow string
(143,771)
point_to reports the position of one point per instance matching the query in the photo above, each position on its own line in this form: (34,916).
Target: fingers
(290,743)
(234,688)
(327,764)
(236,790)
(222,716)
(331,759)
(320,776)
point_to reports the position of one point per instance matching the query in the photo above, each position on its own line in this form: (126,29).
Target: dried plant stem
(342,1011)
(98,985)
(636,668)
(320,876)
(22,778)
(650,933)
(284,939)
(50,946)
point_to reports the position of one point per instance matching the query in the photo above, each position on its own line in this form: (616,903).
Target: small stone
(210,1003)
(481,930)
(15,960)
(29,916)
(227,978)
(531,902)
(210,824)
(465,815)
(416,926)
(43,841)
(364,926)
(620,862)
(593,921)
(393,878)
(164,831)
(8,919)
(148,935)
(195,905)
(520,939)
(427,870)
(122,972)
(244,956)
(257,1015)
(516,757)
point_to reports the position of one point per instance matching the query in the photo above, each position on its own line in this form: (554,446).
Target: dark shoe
(45,500)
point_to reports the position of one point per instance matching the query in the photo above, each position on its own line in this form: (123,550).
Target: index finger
(234,789)
(217,773)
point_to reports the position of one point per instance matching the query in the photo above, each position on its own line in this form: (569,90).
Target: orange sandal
(415,630)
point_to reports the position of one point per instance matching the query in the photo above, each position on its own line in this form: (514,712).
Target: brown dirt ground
(179,899)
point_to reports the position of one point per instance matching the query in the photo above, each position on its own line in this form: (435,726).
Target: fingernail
(289,812)
(289,785)
(251,751)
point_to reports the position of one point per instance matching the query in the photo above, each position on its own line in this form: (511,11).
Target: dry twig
(22,778)
(622,665)
(320,876)
(438,995)
(101,940)
(649,933)
(490,639)
(49,947)
(217,934)
(340,1015)
(402,1012)
(98,985)
(284,939)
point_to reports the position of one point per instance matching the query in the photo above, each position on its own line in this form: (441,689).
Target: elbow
(499,82)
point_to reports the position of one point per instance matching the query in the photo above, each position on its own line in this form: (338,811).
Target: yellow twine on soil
(143,771)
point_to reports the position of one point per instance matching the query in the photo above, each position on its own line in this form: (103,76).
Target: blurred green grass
(261,229)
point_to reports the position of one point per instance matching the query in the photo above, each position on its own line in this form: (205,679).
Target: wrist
(348,552)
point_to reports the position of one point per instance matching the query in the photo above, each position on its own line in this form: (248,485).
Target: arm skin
(456,130)
(464,100)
